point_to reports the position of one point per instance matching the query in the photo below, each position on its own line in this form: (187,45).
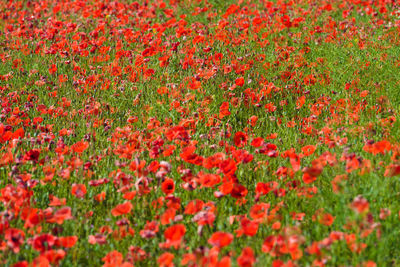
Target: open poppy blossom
(175,232)
(240,139)
(122,209)
(78,190)
(220,239)
(67,242)
(166,260)
(80,146)
(60,216)
(239,81)
(174,235)
(168,186)
(15,238)
(246,258)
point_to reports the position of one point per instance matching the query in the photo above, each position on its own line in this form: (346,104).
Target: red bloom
(177,132)
(165,260)
(360,204)
(239,191)
(265,188)
(308,150)
(61,215)
(307,179)
(220,239)
(43,242)
(239,81)
(67,242)
(392,170)
(15,238)
(224,110)
(249,227)
(174,235)
(327,219)
(53,256)
(246,258)
(194,206)
(80,146)
(175,232)
(259,211)
(286,21)
(78,190)
(240,139)
(53,68)
(168,186)
(228,166)
(208,179)
(113,258)
(121,209)
(150,230)
(32,155)
(21,264)
(257,142)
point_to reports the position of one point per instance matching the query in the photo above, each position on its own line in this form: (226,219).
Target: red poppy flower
(327,219)
(265,188)
(166,260)
(248,227)
(224,262)
(392,170)
(257,142)
(240,139)
(177,132)
(204,218)
(61,215)
(21,264)
(78,190)
(54,256)
(122,209)
(112,259)
(150,230)
(43,242)
(228,166)
(226,188)
(168,216)
(246,258)
(208,179)
(97,239)
(168,186)
(175,232)
(224,110)
(67,242)
(55,201)
(308,150)
(307,179)
(259,211)
(239,81)
(32,155)
(41,261)
(253,120)
(239,191)
(53,68)
(220,239)
(194,206)
(360,204)
(15,238)
(174,235)
(80,146)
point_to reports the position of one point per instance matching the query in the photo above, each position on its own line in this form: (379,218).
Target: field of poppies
(200,133)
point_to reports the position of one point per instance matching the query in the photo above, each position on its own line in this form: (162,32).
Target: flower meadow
(200,133)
